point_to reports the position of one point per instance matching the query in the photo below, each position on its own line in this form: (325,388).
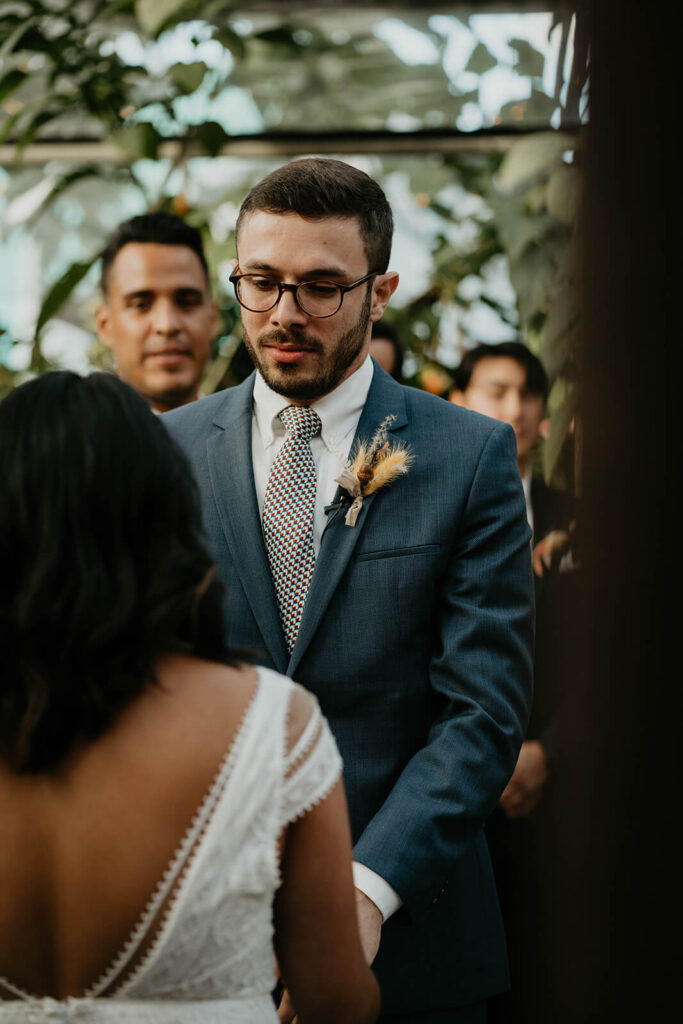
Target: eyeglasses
(315,298)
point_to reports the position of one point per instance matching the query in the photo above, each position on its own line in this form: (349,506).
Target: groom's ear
(383,287)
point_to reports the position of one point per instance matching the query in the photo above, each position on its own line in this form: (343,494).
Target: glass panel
(284,67)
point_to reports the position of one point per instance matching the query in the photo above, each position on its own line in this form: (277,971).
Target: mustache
(156,347)
(289,339)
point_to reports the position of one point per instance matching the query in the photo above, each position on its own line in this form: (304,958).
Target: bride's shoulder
(224,691)
(204,690)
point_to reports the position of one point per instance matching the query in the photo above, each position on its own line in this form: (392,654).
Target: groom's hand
(524,789)
(286,1014)
(369,925)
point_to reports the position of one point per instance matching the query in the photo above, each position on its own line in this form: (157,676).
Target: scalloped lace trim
(178,868)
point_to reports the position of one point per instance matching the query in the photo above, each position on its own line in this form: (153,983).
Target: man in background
(386,349)
(157,315)
(508,383)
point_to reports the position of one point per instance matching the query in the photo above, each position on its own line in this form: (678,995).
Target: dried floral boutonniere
(373,464)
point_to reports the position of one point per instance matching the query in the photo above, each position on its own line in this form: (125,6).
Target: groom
(404,605)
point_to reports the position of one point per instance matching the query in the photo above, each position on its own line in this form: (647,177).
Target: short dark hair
(536,377)
(104,565)
(381,329)
(160,228)
(319,187)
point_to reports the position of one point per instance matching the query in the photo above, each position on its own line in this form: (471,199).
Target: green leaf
(188,77)
(563,194)
(139,140)
(560,423)
(113,8)
(212,137)
(481,60)
(561,334)
(152,15)
(518,230)
(539,108)
(281,35)
(530,159)
(14,37)
(32,109)
(10,82)
(60,292)
(530,62)
(232,42)
(532,277)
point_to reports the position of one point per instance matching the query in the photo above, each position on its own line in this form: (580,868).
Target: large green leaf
(140,140)
(532,158)
(114,7)
(11,81)
(60,292)
(560,423)
(532,277)
(212,137)
(24,117)
(15,37)
(518,230)
(188,77)
(231,41)
(481,60)
(152,15)
(563,194)
(529,61)
(562,333)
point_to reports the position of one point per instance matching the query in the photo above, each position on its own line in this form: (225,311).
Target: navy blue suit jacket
(416,638)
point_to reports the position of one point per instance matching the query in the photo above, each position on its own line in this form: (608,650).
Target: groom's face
(304,357)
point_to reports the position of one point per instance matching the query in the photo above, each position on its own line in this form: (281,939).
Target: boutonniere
(373,464)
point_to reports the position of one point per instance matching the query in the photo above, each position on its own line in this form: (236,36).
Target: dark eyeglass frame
(235,279)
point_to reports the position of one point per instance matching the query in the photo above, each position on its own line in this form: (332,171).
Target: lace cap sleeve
(312,761)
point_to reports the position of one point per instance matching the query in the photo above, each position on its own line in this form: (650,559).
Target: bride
(173,820)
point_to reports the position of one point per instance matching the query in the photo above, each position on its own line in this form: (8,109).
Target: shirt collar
(339,411)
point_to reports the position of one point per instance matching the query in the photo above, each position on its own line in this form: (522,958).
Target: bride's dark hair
(103,565)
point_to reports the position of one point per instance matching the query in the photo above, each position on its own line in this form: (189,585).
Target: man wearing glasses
(402,600)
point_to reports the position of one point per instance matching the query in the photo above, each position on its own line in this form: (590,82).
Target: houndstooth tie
(288,508)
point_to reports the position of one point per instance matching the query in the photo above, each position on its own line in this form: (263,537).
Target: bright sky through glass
(501,84)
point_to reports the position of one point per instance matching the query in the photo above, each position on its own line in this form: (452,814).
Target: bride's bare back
(83,847)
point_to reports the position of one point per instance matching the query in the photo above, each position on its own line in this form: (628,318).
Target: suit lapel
(339,540)
(232,480)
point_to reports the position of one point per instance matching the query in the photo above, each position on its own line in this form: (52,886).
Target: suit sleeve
(481,677)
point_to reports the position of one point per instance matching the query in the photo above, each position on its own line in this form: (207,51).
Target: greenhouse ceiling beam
(278,144)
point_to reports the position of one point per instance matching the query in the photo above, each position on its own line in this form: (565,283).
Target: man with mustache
(157,315)
(402,599)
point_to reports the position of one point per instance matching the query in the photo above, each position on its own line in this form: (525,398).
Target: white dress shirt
(339,413)
(526,485)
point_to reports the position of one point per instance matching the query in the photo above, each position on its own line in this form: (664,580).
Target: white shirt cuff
(376,889)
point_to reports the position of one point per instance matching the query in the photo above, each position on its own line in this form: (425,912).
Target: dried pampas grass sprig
(394,463)
(374,464)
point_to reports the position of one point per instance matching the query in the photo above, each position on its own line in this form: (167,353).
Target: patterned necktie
(288,508)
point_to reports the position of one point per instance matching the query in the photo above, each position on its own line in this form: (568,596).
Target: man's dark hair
(104,565)
(536,377)
(315,187)
(380,329)
(160,228)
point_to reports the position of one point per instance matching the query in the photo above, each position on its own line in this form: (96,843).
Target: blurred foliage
(62,75)
(532,197)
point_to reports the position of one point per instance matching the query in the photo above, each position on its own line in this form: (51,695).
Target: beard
(291,380)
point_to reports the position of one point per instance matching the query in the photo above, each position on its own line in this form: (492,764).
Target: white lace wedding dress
(202,952)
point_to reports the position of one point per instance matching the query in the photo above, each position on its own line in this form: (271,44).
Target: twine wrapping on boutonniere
(372,465)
